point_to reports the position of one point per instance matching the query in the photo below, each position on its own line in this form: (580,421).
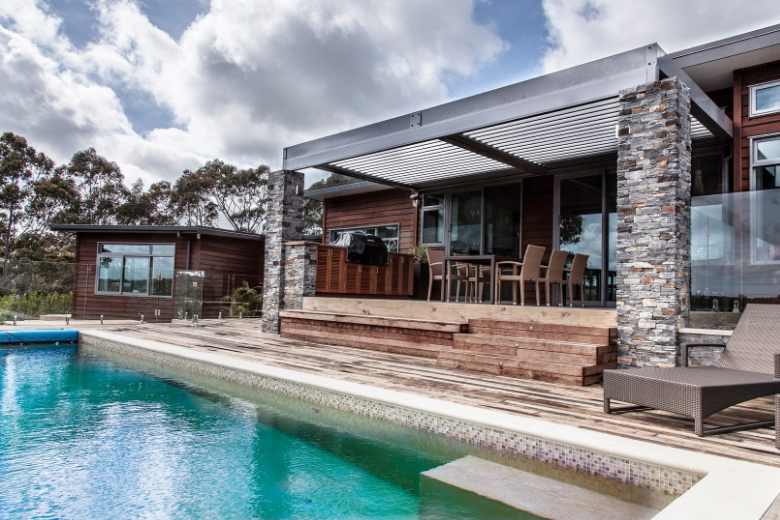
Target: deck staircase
(570,354)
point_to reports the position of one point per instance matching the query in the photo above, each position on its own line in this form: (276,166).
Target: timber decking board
(462,312)
(563,404)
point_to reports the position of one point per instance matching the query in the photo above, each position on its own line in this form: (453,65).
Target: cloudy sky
(163,85)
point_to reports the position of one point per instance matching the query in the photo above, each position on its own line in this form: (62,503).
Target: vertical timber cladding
(653,232)
(372,209)
(751,126)
(537,222)
(284,223)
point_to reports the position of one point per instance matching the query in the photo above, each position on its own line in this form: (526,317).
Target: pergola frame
(432,146)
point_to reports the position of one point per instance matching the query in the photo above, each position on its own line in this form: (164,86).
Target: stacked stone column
(284,223)
(300,273)
(653,221)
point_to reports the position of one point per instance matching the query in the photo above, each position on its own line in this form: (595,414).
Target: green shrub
(243,300)
(35,304)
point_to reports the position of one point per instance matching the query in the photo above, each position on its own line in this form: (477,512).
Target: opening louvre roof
(533,126)
(572,133)
(418,163)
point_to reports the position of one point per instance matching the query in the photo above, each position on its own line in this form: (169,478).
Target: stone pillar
(300,273)
(653,221)
(284,223)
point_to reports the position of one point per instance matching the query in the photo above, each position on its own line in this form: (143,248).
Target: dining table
(480,260)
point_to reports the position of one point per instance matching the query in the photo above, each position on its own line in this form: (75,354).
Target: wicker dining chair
(529,270)
(435,269)
(463,276)
(480,277)
(576,277)
(554,275)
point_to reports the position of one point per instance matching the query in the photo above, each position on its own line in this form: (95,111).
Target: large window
(388,234)
(765,210)
(135,269)
(765,98)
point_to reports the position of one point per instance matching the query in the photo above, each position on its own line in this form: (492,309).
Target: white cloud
(244,80)
(586,30)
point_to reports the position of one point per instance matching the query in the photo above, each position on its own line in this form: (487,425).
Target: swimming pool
(86,433)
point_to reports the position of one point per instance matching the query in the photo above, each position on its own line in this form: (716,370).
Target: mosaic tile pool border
(648,476)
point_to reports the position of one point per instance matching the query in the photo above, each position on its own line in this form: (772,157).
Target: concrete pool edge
(713,486)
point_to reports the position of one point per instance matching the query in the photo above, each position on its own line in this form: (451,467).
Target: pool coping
(720,488)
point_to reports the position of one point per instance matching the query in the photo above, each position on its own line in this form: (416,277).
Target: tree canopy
(312,209)
(90,189)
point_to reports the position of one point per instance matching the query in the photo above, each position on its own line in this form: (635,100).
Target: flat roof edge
(204,230)
(342,189)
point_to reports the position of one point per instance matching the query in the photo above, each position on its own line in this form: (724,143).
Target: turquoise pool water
(88,434)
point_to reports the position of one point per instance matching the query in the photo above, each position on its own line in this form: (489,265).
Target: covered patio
(600,160)
(533,163)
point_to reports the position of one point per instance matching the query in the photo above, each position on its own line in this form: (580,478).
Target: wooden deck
(575,406)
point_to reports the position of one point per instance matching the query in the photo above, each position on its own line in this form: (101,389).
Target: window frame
(150,256)
(436,208)
(755,88)
(754,165)
(370,226)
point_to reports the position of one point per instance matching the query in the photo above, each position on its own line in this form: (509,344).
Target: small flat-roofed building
(160,272)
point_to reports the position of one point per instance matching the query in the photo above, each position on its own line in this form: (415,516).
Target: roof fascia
(718,50)
(586,83)
(87,228)
(347,188)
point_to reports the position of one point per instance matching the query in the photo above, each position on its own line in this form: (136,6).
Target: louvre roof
(524,128)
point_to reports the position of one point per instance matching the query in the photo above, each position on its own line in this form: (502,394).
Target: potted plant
(421,272)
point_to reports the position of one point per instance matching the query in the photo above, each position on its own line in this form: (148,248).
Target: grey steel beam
(357,175)
(484,150)
(564,89)
(702,107)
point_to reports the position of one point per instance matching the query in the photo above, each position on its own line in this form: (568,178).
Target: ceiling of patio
(528,145)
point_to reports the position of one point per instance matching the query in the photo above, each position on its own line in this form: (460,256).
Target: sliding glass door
(466,222)
(587,224)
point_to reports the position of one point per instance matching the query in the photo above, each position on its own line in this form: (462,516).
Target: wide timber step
(569,354)
(568,333)
(537,349)
(422,338)
(542,370)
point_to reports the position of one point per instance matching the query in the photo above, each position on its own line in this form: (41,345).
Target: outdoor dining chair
(480,277)
(435,269)
(529,270)
(463,276)
(554,275)
(748,368)
(577,277)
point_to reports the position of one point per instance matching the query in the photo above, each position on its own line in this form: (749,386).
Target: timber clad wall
(372,209)
(213,254)
(537,222)
(746,126)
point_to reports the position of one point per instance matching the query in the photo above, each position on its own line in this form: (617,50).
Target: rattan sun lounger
(748,368)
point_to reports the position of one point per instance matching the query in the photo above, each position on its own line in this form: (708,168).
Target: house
(160,272)
(663,168)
